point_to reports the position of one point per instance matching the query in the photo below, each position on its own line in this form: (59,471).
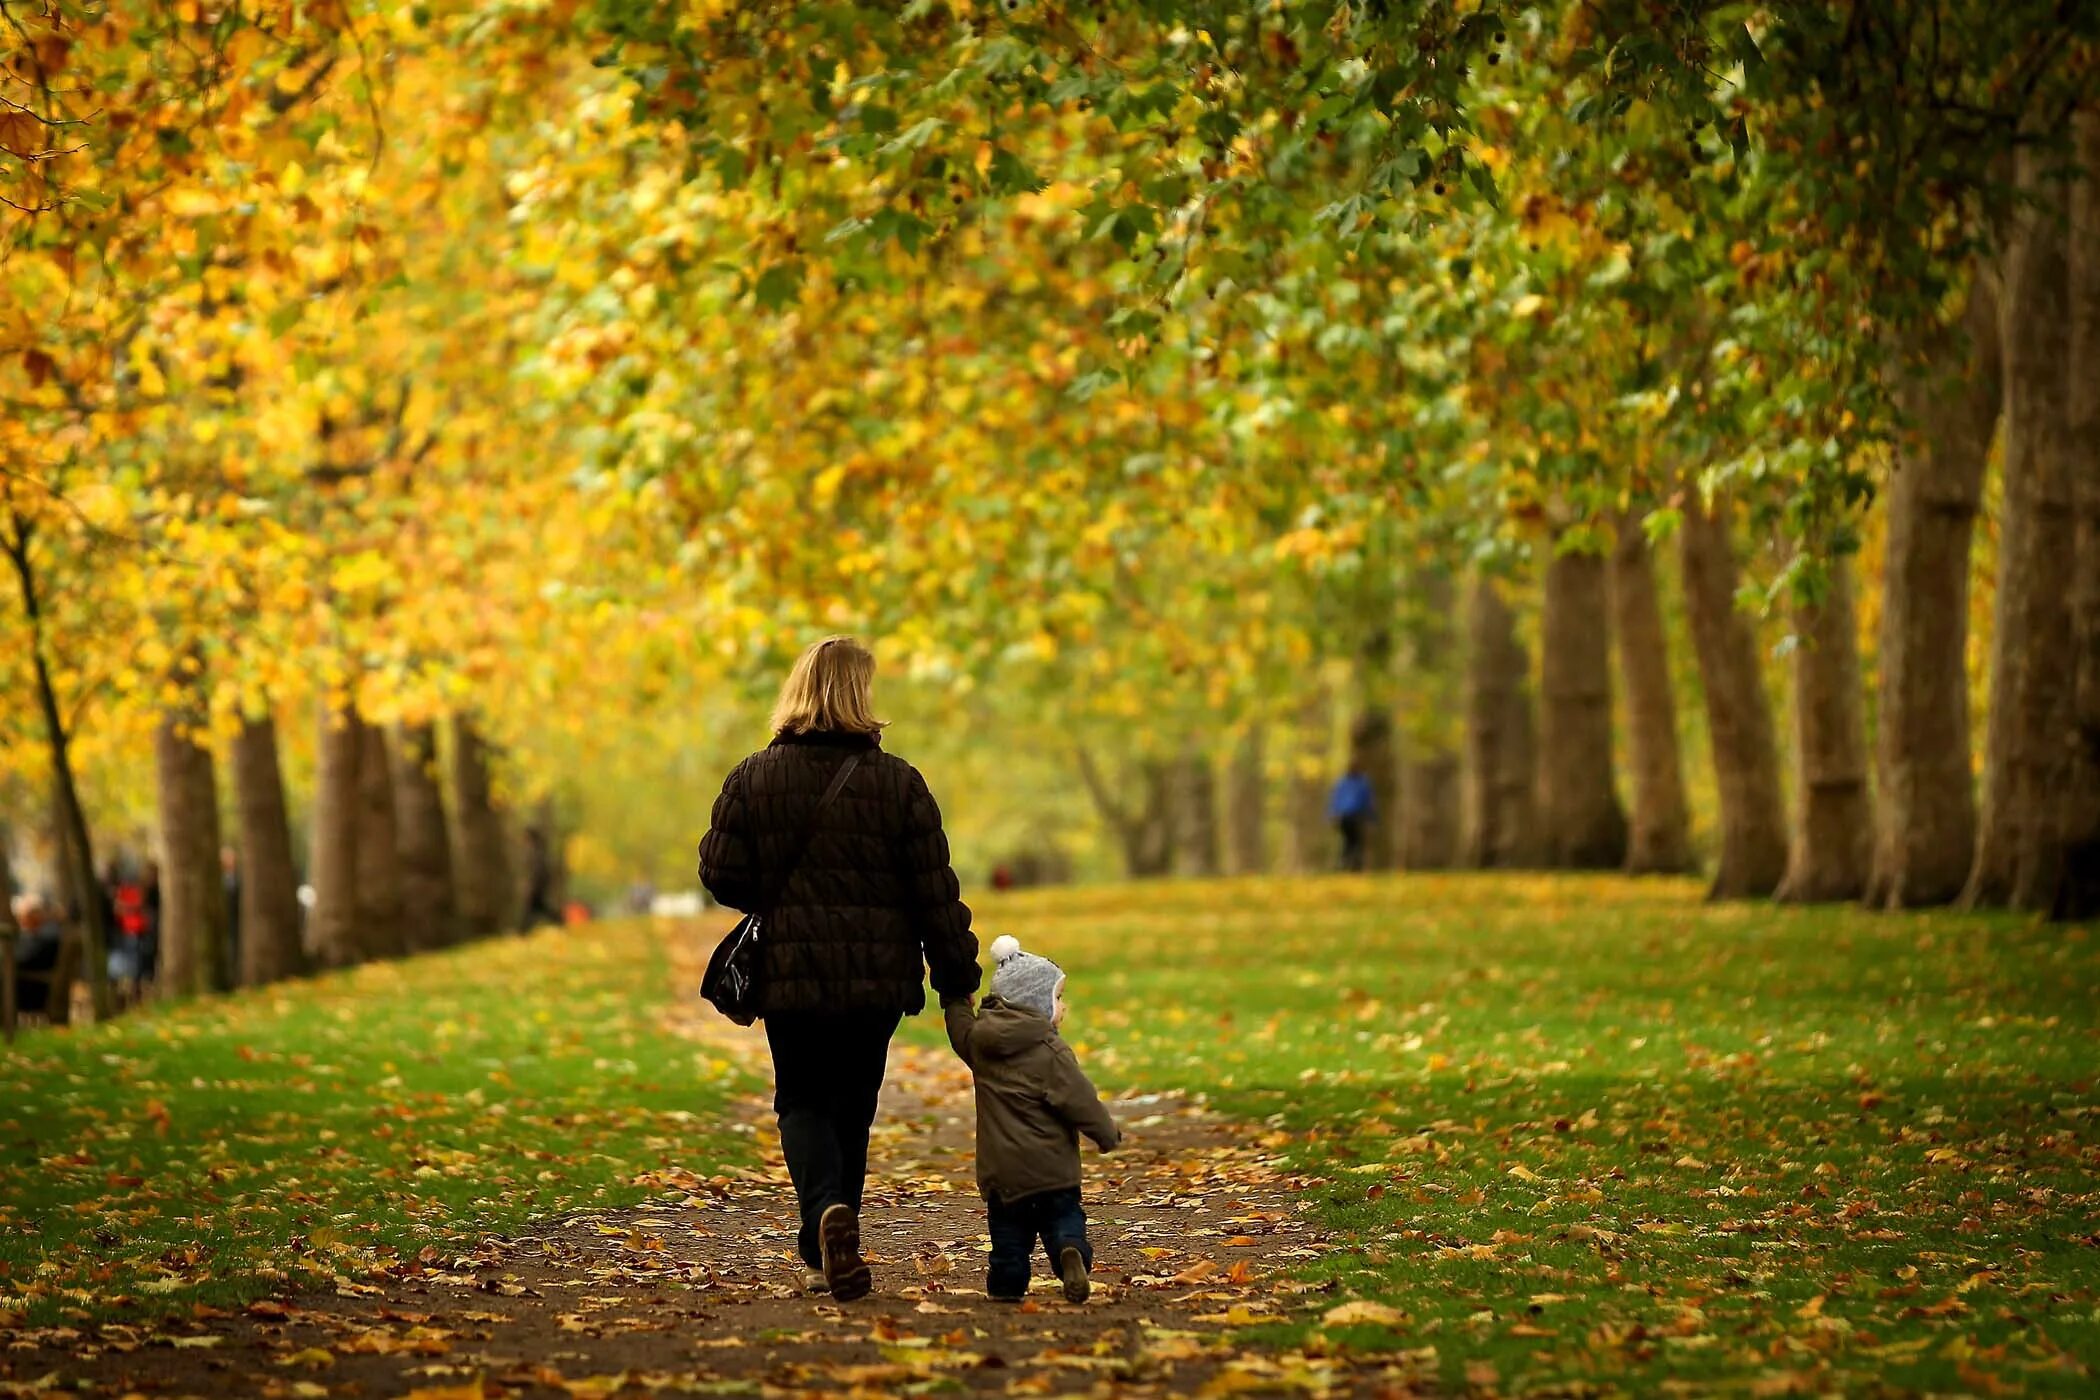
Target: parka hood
(1004,1030)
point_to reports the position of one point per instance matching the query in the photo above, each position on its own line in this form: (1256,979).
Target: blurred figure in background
(1351,808)
(125,904)
(36,951)
(230,879)
(539,882)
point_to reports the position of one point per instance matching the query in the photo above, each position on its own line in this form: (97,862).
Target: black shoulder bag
(732,977)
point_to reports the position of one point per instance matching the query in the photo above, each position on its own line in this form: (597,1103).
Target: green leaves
(779,285)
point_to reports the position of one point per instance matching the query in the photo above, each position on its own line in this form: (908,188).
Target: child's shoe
(1071,1268)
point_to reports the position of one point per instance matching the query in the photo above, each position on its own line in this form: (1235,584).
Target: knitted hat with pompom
(1026,980)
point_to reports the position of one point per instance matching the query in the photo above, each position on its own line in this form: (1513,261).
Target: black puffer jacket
(874,903)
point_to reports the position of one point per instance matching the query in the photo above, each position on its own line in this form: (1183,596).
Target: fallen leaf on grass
(1364,1313)
(1196,1272)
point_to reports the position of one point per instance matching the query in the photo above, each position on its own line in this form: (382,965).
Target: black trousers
(1054,1217)
(827,1071)
(1352,829)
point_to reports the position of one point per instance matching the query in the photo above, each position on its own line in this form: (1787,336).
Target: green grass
(1592,1131)
(1587,1133)
(324,1128)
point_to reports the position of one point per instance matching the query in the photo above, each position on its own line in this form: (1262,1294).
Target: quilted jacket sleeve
(936,895)
(728,854)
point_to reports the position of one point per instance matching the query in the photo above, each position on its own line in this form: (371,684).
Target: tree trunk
(1926,836)
(1195,797)
(2019,849)
(1583,824)
(1372,748)
(193,914)
(379,915)
(1659,835)
(1738,714)
(332,925)
(1145,833)
(1833,823)
(481,872)
(1246,806)
(429,909)
(2077,894)
(1501,782)
(270,948)
(1309,844)
(76,845)
(1429,799)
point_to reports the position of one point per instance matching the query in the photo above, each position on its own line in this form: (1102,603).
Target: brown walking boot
(838,1237)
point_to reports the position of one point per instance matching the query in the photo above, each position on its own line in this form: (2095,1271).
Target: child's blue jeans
(1053,1216)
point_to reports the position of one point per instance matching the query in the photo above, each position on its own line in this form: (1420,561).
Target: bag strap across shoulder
(809,834)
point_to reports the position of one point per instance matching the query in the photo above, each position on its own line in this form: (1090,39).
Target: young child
(1033,1102)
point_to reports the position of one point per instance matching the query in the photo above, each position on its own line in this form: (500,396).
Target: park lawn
(324,1128)
(1580,1131)
(1597,1131)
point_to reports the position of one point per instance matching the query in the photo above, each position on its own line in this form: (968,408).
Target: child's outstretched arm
(961,1020)
(1073,1096)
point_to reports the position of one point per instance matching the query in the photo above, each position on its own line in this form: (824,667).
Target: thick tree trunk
(429,908)
(270,948)
(1372,747)
(1738,714)
(1834,822)
(2019,848)
(1429,798)
(1148,844)
(1926,832)
(1309,843)
(1501,778)
(1583,824)
(1659,835)
(333,935)
(1429,810)
(193,929)
(1195,798)
(379,915)
(1145,832)
(2077,894)
(1246,806)
(481,874)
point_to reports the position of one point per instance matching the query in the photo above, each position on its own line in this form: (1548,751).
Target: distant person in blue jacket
(1351,808)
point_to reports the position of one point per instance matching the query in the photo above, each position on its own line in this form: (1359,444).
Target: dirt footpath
(1195,1230)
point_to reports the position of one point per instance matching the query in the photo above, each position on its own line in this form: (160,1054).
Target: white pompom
(1005,946)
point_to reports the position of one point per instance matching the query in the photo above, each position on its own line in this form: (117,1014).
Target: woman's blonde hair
(829,691)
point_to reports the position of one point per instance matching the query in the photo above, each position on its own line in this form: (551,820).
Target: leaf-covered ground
(1597,1131)
(313,1130)
(1549,1134)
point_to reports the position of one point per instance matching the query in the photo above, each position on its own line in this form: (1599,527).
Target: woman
(871,906)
